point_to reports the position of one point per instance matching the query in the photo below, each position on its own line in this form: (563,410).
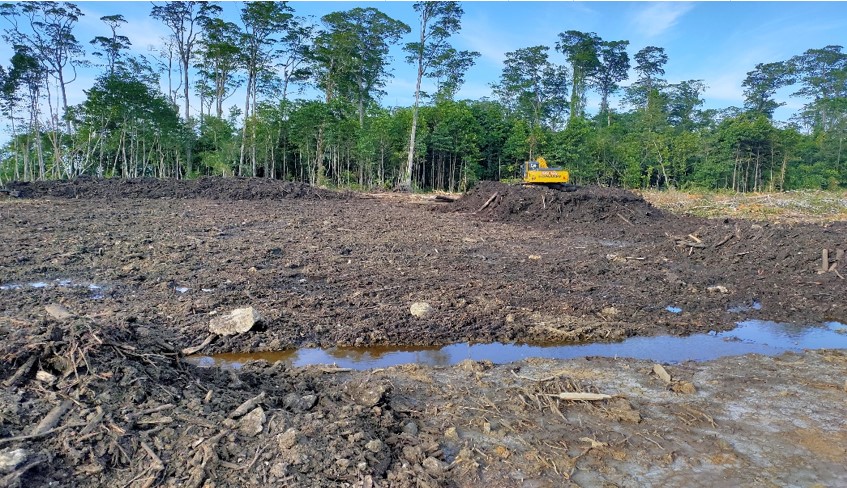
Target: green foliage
(662,139)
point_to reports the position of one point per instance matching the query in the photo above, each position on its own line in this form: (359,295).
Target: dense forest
(176,114)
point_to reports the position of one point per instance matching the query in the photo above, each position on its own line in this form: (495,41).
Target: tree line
(137,118)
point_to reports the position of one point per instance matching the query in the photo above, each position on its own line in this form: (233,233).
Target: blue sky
(717,42)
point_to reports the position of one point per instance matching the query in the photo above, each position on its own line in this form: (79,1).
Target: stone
(299,404)
(11,459)
(451,434)
(278,470)
(58,312)
(238,321)
(718,289)
(410,428)
(421,310)
(434,466)
(413,454)
(287,439)
(45,377)
(253,423)
(365,393)
(374,445)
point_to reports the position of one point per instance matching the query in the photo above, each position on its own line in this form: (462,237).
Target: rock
(343,463)
(365,393)
(610,312)
(287,439)
(421,309)
(11,459)
(238,321)
(717,289)
(299,404)
(45,377)
(278,470)
(253,423)
(434,466)
(413,454)
(451,434)
(683,387)
(410,428)
(58,312)
(374,445)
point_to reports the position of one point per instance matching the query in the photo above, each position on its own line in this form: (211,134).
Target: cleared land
(142,266)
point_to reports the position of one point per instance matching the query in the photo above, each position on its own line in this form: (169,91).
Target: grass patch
(791,206)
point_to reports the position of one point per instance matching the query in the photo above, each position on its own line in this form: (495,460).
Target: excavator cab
(539,173)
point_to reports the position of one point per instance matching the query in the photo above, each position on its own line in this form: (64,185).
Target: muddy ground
(99,396)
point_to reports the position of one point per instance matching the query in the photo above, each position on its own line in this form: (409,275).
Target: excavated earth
(105,286)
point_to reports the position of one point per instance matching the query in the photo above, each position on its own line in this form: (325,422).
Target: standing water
(751,336)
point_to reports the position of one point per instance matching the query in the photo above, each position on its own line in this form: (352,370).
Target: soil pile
(550,207)
(87,403)
(213,188)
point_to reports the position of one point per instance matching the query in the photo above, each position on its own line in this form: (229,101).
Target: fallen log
(487,203)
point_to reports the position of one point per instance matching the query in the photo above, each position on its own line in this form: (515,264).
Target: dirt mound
(542,205)
(214,188)
(85,403)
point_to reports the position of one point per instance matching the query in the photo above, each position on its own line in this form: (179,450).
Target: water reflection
(751,336)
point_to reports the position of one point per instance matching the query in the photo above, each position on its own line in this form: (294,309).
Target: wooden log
(21,372)
(52,418)
(579,396)
(824,261)
(247,406)
(487,203)
(194,349)
(624,219)
(724,240)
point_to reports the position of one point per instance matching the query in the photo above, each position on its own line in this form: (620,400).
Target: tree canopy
(573,103)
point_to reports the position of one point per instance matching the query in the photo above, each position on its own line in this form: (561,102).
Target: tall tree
(366,34)
(581,49)
(612,69)
(650,63)
(48,34)
(761,85)
(351,61)
(184,19)
(263,22)
(433,55)
(534,89)
(822,74)
(683,99)
(109,48)
(219,58)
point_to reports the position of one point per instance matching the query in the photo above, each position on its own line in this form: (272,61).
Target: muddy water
(752,336)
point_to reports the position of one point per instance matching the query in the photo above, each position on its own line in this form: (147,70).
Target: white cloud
(657,18)
(479,35)
(725,88)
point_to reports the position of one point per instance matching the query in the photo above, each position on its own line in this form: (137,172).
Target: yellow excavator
(539,173)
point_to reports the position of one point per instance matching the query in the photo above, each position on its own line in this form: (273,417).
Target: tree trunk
(407,183)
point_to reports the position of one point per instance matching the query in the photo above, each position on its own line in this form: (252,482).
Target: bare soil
(143,265)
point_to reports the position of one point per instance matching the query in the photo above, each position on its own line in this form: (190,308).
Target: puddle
(96,290)
(751,336)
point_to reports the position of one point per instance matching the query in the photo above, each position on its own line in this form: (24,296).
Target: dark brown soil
(206,187)
(323,268)
(553,208)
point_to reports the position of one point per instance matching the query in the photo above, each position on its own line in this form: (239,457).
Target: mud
(104,397)
(204,187)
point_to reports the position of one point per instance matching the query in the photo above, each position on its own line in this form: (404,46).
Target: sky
(717,42)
